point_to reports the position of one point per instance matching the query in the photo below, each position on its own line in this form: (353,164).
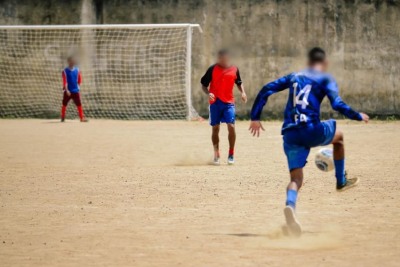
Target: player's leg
(297,159)
(228,116)
(215,142)
(296,181)
(232,140)
(66,99)
(77,100)
(335,137)
(215,120)
(342,183)
(338,158)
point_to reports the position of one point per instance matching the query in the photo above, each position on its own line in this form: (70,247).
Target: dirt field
(121,193)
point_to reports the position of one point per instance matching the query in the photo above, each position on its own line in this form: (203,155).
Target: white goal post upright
(130,71)
(188,75)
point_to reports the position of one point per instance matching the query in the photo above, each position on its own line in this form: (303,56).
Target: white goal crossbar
(101,26)
(130,71)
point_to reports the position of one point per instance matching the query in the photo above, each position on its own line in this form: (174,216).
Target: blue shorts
(221,112)
(297,142)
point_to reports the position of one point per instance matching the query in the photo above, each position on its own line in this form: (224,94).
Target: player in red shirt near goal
(218,83)
(72,79)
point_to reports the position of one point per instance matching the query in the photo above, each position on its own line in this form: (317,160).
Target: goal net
(128,71)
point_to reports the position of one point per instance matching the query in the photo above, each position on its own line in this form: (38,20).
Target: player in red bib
(72,80)
(218,83)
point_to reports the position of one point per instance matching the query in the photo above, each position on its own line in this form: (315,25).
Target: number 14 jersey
(307,89)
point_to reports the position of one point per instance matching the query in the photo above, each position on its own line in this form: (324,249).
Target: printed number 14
(305,92)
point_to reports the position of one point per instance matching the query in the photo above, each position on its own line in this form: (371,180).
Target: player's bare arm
(66,91)
(243,93)
(205,89)
(205,82)
(255,127)
(211,96)
(365,117)
(65,87)
(239,84)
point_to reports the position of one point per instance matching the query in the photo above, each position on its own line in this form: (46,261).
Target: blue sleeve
(332,91)
(267,90)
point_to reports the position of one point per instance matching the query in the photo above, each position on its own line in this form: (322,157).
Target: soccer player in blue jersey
(72,79)
(302,128)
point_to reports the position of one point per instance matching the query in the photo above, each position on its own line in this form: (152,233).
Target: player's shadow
(240,234)
(59,122)
(55,121)
(246,235)
(277,234)
(190,163)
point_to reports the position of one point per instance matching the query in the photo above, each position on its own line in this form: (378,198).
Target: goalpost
(138,71)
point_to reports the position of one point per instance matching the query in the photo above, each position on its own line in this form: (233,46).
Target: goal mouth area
(129,71)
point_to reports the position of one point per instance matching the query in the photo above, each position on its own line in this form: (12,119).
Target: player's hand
(365,117)
(211,96)
(68,92)
(255,127)
(244,97)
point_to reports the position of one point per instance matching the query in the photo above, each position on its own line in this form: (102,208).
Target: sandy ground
(122,193)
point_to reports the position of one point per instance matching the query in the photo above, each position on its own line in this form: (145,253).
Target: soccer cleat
(216,157)
(293,226)
(84,120)
(216,161)
(352,182)
(62,119)
(231,160)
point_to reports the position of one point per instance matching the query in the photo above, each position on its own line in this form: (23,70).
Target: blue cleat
(349,183)
(231,160)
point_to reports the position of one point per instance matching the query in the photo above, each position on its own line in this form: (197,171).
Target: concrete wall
(362,38)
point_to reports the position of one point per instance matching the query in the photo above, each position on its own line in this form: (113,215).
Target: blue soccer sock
(339,172)
(291,198)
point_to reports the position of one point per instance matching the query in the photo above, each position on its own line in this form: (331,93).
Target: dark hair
(316,55)
(223,52)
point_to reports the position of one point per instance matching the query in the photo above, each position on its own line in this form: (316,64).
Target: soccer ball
(324,159)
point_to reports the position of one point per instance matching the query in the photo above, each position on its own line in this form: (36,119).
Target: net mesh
(127,73)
